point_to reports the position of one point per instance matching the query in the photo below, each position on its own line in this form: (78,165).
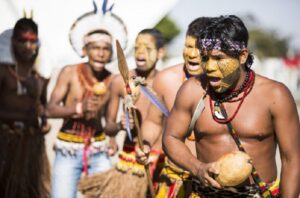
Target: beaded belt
(79,139)
(18,128)
(249,191)
(173,172)
(127,160)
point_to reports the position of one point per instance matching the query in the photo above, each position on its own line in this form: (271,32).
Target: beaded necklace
(245,88)
(89,82)
(21,90)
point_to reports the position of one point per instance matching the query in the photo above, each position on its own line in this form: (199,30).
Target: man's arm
(176,130)
(54,108)
(116,91)
(286,123)
(45,126)
(152,125)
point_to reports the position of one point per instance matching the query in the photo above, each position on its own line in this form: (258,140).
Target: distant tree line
(263,42)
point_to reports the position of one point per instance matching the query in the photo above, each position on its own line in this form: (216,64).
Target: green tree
(168,28)
(266,43)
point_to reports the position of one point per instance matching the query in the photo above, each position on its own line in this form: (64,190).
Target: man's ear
(244,56)
(161,53)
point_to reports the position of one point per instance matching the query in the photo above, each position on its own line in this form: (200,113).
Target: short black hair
(159,38)
(197,25)
(23,25)
(228,29)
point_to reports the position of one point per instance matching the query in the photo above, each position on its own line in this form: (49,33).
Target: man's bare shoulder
(192,86)
(194,83)
(170,74)
(116,79)
(69,69)
(266,85)
(67,74)
(174,68)
(117,84)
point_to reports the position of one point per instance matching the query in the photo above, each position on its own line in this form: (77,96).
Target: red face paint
(28,36)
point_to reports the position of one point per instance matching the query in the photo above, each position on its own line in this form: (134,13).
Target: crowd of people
(210,126)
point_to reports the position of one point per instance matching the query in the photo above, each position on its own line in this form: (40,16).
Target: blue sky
(283,16)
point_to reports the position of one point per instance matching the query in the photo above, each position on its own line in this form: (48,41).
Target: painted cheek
(152,57)
(228,67)
(230,71)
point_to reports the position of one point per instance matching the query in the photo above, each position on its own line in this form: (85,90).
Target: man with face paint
(166,85)
(148,50)
(243,111)
(24,168)
(78,97)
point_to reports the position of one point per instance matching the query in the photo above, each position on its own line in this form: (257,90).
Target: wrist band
(78,108)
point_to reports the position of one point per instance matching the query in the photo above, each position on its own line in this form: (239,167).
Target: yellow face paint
(191,56)
(146,54)
(223,71)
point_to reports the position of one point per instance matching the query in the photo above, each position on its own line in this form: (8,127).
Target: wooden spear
(124,71)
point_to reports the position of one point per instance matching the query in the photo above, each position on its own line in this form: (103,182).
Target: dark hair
(159,38)
(23,25)
(228,29)
(197,25)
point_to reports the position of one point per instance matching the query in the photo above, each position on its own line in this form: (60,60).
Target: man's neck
(24,67)
(149,74)
(99,75)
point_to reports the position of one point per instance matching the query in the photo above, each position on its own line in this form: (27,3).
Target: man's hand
(112,146)
(142,156)
(45,128)
(90,107)
(206,174)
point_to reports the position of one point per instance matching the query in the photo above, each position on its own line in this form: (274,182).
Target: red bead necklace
(245,88)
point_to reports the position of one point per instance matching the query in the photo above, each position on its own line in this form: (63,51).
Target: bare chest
(143,104)
(252,121)
(76,90)
(21,95)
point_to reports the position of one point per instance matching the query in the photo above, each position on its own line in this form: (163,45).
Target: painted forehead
(146,39)
(27,35)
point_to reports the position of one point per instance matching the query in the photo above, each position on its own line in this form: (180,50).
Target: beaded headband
(218,44)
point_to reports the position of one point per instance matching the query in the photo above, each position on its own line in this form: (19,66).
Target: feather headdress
(99,19)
